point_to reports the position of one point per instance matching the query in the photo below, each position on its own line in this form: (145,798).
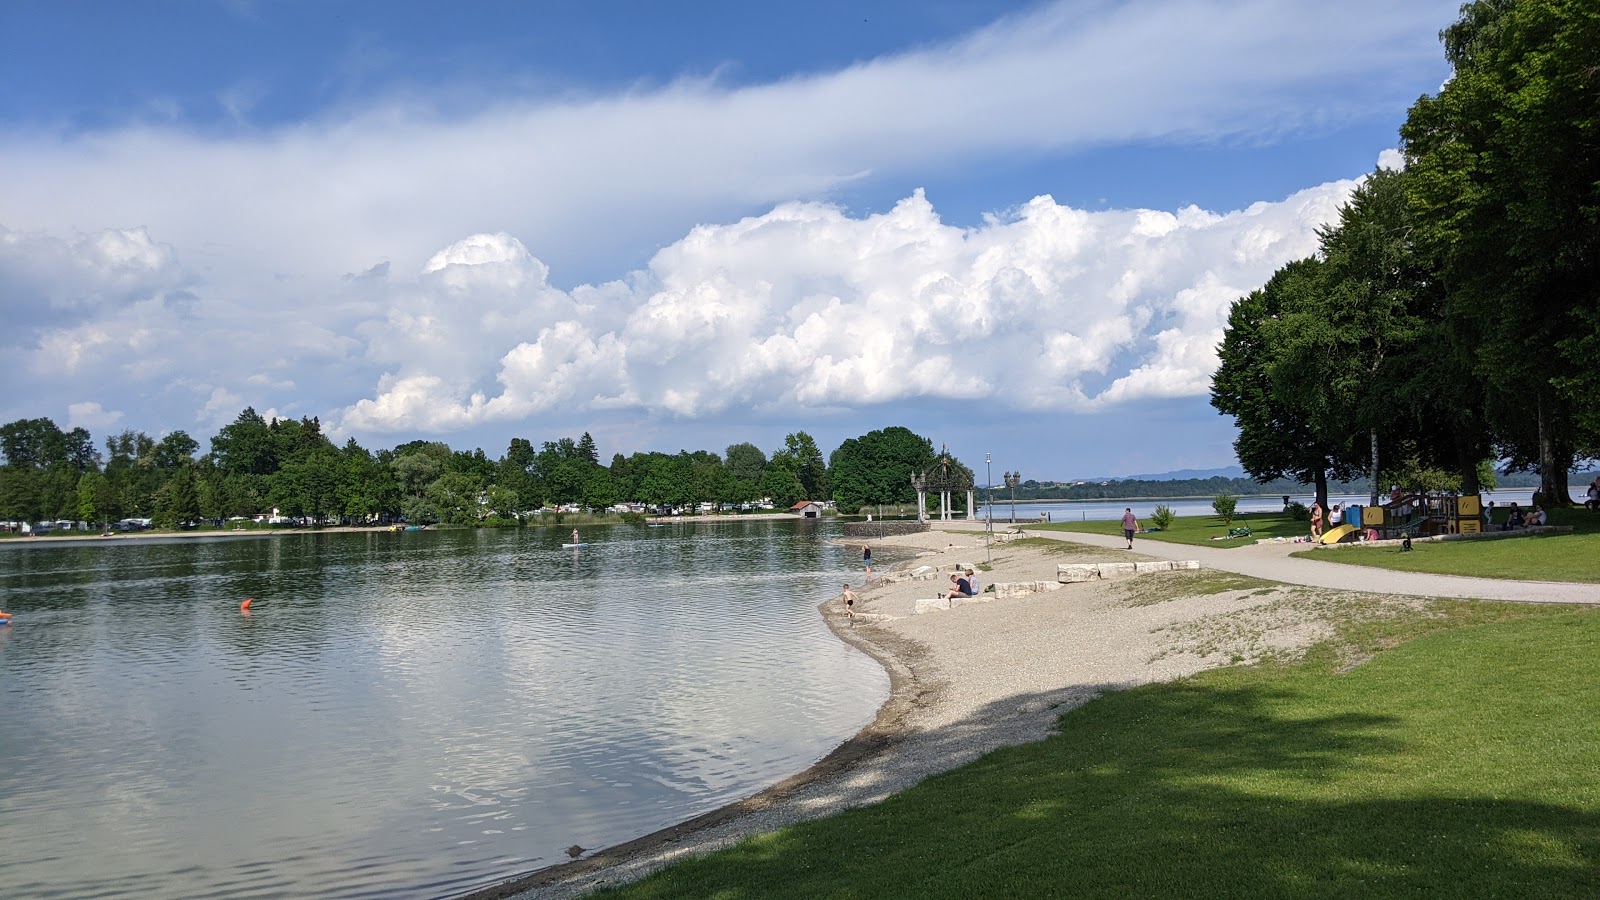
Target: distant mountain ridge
(1176,475)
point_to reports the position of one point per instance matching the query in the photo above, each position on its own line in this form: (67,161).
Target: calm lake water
(401,714)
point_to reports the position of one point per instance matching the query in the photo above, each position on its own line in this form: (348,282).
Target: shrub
(1226,505)
(632,518)
(1297,511)
(1162,517)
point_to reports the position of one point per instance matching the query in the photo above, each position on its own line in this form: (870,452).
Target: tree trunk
(1373,499)
(1552,469)
(1467,468)
(1322,492)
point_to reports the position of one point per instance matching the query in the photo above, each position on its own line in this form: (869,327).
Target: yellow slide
(1336,535)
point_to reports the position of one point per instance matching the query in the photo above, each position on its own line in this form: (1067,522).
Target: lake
(413,714)
(1103,510)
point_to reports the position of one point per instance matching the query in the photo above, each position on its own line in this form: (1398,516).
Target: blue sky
(1015,229)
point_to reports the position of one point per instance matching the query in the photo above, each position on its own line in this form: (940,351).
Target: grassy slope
(1196,529)
(1459,765)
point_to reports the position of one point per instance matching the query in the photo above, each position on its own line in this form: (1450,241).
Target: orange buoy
(246,604)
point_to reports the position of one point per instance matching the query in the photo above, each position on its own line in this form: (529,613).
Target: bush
(632,518)
(498,521)
(1297,511)
(1226,505)
(1162,517)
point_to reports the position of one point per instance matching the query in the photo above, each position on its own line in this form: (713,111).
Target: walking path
(1272,562)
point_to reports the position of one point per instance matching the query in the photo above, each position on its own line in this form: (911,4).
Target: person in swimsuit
(866,559)
(849,601)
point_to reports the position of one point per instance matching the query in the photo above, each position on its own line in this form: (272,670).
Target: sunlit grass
(1458,763)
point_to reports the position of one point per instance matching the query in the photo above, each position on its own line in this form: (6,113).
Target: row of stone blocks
(1071,573)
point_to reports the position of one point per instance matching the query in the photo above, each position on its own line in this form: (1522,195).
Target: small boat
(574,546)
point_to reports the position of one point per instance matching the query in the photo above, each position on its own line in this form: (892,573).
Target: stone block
(1160,565)
(925,605)
(1115,569)
(968,601)
(1070,573)
(1023,588)
(1186,564)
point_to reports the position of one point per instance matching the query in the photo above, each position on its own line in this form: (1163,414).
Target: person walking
(1316,521)
(849,601)
(1129,525)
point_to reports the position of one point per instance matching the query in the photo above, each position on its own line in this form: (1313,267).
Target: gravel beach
(984,675)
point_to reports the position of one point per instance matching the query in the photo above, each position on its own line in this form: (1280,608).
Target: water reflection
(410,714)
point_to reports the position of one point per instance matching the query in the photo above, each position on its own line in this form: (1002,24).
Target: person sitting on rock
(961,588)
(1514,519)
(1535,518)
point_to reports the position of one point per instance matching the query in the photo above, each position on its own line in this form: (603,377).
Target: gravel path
(969,680)
(1272,562)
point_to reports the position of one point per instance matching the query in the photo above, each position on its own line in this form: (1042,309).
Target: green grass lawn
(1196,529)
(1460,764)
(1550,557)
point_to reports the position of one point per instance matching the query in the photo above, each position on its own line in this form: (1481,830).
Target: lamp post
(1012,480)
(988,528)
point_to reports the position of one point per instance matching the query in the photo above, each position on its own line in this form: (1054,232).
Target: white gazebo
(946,476)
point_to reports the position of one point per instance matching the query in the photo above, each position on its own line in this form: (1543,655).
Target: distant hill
(1210,482)
(1178,475)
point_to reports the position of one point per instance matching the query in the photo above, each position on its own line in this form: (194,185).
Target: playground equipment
(1413,515)
(1426,513)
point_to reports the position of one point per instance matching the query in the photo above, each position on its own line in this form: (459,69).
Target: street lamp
(1012,480)
(988,528)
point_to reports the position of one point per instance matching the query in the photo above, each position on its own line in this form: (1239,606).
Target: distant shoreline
(62,537)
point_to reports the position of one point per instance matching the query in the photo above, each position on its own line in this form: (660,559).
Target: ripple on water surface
(401,715)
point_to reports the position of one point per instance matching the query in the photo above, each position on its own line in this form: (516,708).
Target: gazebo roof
(945,474)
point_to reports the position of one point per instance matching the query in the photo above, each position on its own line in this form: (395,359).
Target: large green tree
(877,467)
(1276,417)
(1505,179)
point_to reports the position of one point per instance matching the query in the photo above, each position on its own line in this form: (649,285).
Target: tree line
(255,466)
(1451,317)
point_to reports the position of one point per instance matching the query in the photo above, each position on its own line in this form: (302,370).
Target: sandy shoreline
(969,680)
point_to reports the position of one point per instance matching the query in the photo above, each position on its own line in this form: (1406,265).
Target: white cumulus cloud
(808,308)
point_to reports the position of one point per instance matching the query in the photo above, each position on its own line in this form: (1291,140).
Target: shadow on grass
(1191,789)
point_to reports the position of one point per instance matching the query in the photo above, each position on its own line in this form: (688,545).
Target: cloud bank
(390,268)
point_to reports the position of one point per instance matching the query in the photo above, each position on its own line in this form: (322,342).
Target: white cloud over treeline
(802,308)
(395,268)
